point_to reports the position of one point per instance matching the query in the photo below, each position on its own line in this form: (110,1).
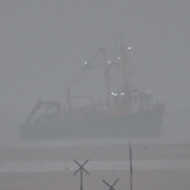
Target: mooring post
(81,180)
(131,167)
(81,169)
(111,186)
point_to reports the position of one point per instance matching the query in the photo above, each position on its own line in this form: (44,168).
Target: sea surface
(43,165)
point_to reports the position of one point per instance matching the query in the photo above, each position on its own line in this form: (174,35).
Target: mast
(106,73)
(69,101)
(123,64)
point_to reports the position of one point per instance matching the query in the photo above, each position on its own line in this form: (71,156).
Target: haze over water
(45,43)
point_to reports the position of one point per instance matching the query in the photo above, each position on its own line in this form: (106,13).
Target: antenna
(81,169)
(131,167)
(111,186)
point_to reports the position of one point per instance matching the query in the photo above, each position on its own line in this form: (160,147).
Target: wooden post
(111,186)
(81,169)
(131,167)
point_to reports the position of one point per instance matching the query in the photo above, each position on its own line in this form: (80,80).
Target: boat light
(114,93)
(129,48)
(122,93)
(108,62)
(85,62)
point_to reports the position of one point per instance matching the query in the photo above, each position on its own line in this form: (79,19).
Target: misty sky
(44,44)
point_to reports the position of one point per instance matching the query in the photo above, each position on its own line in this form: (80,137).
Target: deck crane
(88,65)
(108,65)
(121,63)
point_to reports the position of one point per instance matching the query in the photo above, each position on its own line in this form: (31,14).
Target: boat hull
(141,124)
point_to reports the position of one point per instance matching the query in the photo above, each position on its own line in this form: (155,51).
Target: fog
(44,45)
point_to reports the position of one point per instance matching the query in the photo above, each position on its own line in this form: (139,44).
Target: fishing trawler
(126,113)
